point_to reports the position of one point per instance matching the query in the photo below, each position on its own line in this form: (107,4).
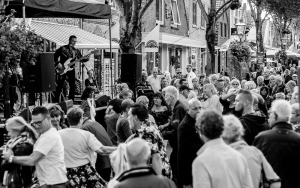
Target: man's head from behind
(280,111)
(137,114)
(138,153)
(244,101)
(210,124)
(74,116)
(41,120)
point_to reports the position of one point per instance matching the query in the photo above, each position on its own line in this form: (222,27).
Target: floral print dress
(149,132)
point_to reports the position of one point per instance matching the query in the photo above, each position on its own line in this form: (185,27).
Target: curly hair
(87,91)
(210,124)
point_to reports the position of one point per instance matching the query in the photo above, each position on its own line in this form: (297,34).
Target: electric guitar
(66,66)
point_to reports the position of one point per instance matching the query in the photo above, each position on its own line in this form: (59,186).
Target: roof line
(54,23)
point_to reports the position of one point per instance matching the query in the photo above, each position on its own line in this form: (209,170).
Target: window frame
(178,14)
(161,22)
(203,22)
(194,13)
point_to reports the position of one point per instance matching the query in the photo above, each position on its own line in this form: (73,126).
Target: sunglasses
(38,123)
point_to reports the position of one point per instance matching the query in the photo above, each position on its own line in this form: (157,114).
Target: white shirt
(79,151)
(51,168)
(190,76)
(220,166)
(154,82)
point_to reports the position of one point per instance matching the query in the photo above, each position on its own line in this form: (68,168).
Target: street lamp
(241,28)
(284,42)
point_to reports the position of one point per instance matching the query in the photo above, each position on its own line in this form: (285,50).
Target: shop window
(175,12)
(202,18)
(221,29)
(160,11)
(225,30)
(194,13)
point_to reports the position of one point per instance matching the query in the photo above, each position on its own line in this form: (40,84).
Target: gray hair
(212,87)
(278,78)
(210,123)
(250,84)
(233,128)
(137,151)
(282,108)
(260,78)
(173,91)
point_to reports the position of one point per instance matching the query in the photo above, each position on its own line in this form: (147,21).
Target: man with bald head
(140,175)
(189,143)
(253,122)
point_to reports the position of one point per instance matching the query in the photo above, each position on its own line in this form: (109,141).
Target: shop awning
(59,34)
(166,38)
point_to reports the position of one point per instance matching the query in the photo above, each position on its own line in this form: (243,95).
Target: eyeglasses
(178,72)
(38,123)
(235,84)
(196,108)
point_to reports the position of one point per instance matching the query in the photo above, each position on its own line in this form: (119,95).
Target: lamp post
(241,28)
(284,42)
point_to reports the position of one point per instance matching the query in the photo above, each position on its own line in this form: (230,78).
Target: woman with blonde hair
(119,163)
(22,138)
(212,101)
(232,135)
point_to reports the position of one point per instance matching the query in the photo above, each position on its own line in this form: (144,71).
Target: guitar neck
(76,61)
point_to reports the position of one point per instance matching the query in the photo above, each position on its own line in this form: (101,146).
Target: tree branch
(142,12)
(252,10)
(219,16)
(223,6)
(203,10)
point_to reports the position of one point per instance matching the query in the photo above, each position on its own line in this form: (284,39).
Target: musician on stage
(61,55)
(91,81)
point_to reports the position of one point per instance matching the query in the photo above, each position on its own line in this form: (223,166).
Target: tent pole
(111,71)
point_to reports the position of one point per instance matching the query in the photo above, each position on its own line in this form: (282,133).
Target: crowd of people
(222,132)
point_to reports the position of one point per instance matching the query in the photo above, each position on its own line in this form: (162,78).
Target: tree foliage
(284,13)
(240,50)
(15,40)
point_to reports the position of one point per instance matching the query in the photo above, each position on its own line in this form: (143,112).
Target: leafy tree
(14,40)
(131,12)
(211,19)
(284,14)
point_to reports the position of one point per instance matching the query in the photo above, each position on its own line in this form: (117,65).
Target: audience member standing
(103,165)
(217,164)
(281,145)
(155,80)
(189,142)
(190,76)
(140,175)
(179,112)
(48,152)
(252,121)
(212,102)
(111,121)
(79,152)
(232,135)
(123,129)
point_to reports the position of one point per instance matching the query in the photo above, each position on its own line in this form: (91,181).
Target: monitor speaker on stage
(131,68)
(41,76)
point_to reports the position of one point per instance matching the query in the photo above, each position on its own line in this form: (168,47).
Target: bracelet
(10,159)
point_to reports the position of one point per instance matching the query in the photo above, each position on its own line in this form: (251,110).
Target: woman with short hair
(212,102)
(232,135)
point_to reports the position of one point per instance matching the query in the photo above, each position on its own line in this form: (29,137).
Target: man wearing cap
(184,92)
(190,76)
(295,78)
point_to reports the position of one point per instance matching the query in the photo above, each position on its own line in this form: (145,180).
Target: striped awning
(59,34)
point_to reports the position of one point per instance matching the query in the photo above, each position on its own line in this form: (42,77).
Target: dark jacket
(287,78)
(281,147)
(100,133)
(253,124)
(179,112)
(189,142)
(25,172)
(143,178)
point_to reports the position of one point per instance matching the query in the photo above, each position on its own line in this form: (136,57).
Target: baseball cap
(294,75)
(183,87)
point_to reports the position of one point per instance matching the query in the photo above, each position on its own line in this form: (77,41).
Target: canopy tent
(271,53)
(93,9)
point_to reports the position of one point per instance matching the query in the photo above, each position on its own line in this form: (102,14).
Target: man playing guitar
(61,55)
